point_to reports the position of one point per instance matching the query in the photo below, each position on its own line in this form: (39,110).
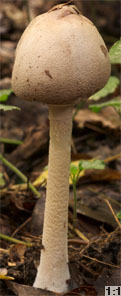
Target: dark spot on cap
(39,56)
(27,80)
(16,77)
(104,50)
(35,89)
(64,224)
(48,74)
(30,67)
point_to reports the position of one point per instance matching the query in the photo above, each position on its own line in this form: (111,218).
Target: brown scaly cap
(60,58)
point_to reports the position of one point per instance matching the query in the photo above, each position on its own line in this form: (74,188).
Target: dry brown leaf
(101,175)
(105,280)
(17,252)
(91,203)
(108,117)
(22,290)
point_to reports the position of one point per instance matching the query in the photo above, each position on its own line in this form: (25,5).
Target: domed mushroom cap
(60,59)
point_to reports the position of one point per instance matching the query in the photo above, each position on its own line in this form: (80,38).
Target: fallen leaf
(42,179)
(106,280)
(5,277)
(87,290)
(16,252)
(22,290)
(111,121)
(103,175)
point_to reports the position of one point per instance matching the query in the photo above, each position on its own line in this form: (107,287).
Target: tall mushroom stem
(53,272)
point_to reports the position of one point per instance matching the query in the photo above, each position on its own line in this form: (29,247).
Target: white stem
(53,272)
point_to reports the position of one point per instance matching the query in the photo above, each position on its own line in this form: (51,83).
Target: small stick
(58,6)
(112,211)
(80,234)
(21,226)
(111,158)
(110,234)
(14,240)
(77,241)
(10,141)
(99,261)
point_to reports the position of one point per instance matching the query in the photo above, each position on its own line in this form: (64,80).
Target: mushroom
(60,60)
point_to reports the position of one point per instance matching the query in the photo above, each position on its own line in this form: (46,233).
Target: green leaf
(2,180)
(116,103)
(8,108)
(95,164)
(73,169)
(119,215)
(109,88)
(4,94)
(115,53)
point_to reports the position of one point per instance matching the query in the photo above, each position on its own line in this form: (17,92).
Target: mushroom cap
(60,58)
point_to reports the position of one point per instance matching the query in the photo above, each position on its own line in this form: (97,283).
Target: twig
(80,234)
(99,261)
(89,244)
(95,128)
(84,249)
(20,174)
(108,159)
(58,6)
(110,234)
(77,241)
(113,213)
(14,240)
(21,226)
(104,196)
(110,198)
(88,269)
(10,141)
